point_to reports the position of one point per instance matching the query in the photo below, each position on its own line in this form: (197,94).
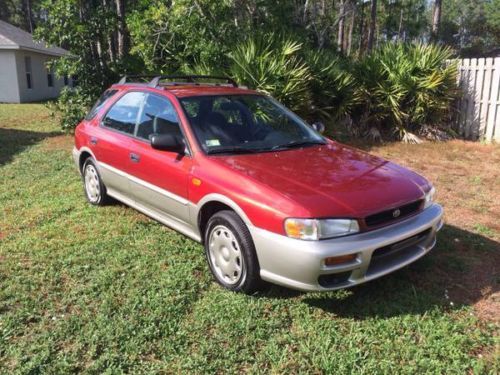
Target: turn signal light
(335,261)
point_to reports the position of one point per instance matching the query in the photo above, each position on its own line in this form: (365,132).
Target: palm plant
(272,65)
(406,86)
(334,89)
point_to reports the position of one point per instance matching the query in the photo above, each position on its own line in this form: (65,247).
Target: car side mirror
(167,142)
(318,126)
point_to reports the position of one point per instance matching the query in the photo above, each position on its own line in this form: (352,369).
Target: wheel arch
(213,203)
(85,153)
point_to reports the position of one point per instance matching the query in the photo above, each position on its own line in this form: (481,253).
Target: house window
(29,77)
(50,77)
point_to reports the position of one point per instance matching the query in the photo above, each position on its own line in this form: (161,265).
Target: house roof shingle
(12,37)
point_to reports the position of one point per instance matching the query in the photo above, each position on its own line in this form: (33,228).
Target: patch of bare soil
(60,142)
(467,179)
(479,287)
(488,308)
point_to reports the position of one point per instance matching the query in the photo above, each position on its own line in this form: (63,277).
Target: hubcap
(92,184)
(225,255)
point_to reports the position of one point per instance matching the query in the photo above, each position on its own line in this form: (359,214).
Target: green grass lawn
(108,290)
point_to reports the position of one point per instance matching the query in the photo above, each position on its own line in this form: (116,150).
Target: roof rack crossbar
(126,78)
(155,81)
(192,78)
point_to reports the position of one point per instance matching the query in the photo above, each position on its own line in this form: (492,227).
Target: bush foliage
(394,92)
(405,87)
(273,65)
(71,107)
(398,90)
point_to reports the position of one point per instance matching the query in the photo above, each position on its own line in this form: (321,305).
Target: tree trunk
(373,24)
(340,36)
(29,15)
(348,45)
(123,37)
(400,29)
(304,15)
(111,48)
(361,29)
(436,20)
(110,38)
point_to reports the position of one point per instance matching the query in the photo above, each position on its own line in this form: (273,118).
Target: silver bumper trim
(76,158)
(298,264)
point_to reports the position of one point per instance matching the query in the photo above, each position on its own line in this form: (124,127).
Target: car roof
(182,91)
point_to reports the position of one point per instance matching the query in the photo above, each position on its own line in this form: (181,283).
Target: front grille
(387,217)
(393,248)
(396,253)
(334,279)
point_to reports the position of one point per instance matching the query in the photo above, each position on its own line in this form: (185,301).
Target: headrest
(215,118)
(230,106)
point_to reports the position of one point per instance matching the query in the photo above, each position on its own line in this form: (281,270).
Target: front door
(159,178)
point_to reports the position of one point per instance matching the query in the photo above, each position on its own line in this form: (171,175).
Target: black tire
(249,279)
(101,197)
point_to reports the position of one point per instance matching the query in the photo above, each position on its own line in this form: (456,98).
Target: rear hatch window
(100,103)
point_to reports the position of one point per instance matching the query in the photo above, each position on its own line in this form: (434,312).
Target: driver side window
(158,116)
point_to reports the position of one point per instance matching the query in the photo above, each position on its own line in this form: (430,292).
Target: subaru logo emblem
(396,213)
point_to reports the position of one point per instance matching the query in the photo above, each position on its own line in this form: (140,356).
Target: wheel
(95,191)
(231,253)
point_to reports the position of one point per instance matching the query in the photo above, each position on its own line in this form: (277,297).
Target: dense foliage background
(377,67)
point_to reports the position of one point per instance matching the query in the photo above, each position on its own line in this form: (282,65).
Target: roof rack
(135,78)
(188,79)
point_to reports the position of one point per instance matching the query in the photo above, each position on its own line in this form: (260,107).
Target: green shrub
(334,90)
(273,65)
(71,107)
(398,91)
(405,87)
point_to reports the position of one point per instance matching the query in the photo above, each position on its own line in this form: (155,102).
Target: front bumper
(300,264)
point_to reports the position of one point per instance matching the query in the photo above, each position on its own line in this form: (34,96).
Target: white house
(24,75)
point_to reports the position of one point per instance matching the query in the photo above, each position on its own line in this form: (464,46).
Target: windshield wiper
(293,144)
(232,150)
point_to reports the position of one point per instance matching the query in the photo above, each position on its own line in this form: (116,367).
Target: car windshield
(246,124)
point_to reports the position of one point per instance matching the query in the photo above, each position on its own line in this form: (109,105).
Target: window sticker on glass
(212,142)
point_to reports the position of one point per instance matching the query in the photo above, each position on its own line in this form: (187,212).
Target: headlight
(429,198)
(316,229)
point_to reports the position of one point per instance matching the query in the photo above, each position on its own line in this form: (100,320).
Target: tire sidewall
(230,221)
(102,190)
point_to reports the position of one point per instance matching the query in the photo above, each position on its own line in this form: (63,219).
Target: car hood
(331,180)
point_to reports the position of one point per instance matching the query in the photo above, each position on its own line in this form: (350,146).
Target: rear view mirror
(318,126)
(167,142)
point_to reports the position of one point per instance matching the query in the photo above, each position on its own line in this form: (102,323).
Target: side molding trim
(164,219)
(158,190)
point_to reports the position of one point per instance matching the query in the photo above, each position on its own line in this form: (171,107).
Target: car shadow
(462,269)
(14,141)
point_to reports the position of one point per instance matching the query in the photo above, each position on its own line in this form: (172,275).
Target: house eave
(37,50)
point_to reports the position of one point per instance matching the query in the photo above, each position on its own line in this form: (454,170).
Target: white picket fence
(479,107)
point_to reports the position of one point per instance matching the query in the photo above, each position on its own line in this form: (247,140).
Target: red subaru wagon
(269,197)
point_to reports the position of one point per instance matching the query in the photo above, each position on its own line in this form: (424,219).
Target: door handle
(93,140)
(134,157)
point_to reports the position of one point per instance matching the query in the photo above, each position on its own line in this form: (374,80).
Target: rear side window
(100,102)
(123,114)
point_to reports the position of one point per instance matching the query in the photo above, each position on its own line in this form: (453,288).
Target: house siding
(9,87)
(40,89)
